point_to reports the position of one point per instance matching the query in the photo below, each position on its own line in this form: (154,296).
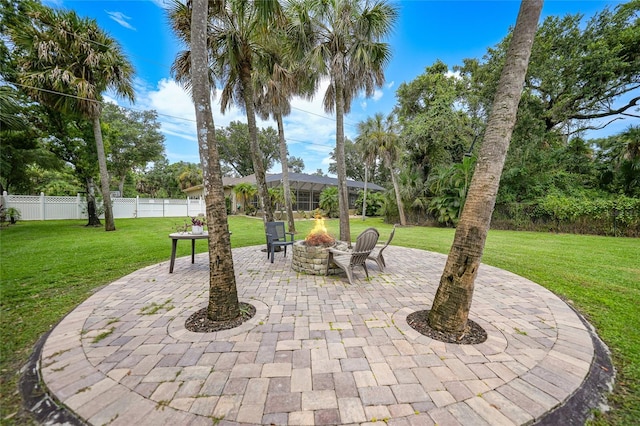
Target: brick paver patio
(318,351)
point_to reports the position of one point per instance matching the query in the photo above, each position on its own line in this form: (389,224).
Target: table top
(188,236)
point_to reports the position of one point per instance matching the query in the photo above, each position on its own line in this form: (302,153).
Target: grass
(49,267)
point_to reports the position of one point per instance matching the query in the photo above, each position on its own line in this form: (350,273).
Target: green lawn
(48,268)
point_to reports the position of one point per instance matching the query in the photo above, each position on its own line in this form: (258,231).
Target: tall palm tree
(382,133)
(341,41)
(247,191)
(366,144)
(223,294)
(277,80)
(450,310)
(68,62)
(237,36)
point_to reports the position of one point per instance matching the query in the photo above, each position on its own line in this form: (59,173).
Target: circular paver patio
(318,350)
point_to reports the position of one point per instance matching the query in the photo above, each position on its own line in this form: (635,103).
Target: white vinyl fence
(42,207)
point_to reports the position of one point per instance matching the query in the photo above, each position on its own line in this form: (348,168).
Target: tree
(296,164)
(235,149)
(370,132)
(436,118)
(354,166)
(67,62)
(190,176)
(329,201)
(599,63)
(20,149)
(69,140)
(449,186)
(450,310)
(620,159)
(133,138)
(579,71)
(382,133)
(341,40)
(162,180)
(237,37)
(246,190)
(278,199)
(277,80)
(223,294)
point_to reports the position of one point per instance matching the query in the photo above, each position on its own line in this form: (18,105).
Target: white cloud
(454,74)
(162,3)
(391,84)
(121,19)
(377,94)
(309,130)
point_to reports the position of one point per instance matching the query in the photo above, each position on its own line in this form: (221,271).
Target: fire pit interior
(310,255)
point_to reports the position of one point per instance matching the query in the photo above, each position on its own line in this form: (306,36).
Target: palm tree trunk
(121,184)
(452,302)
(284,161)
(223,294)
(364,197)
(92,210)
(256,152)
(396,189)
(109,224)
(343,194)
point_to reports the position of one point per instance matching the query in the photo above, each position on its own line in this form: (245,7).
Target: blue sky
(449,30)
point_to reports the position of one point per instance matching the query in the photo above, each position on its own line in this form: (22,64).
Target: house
(306,188)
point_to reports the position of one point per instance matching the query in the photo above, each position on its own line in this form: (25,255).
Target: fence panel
(30,206)
(124,207)
(196,206)
(41,207)
(175,208)
(150,207)
(61,208)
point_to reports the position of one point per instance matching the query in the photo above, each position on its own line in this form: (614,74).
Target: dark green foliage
(374,203)
(235,151)
(329,201)
(616,216)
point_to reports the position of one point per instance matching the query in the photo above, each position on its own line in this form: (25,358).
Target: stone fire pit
(312,260)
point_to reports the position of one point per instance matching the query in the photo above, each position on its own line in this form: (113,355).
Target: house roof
(305,181)
(296,181)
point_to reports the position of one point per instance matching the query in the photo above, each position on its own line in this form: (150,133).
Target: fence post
(201,209)
(137,206)
(42,206)
(188,203)
(78,206)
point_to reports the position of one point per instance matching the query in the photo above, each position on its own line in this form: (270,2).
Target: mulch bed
(200,322)
(472,335)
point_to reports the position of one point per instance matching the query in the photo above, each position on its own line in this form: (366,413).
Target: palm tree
(246,190)
(382,133)
(329,201)
(223,294)
(341,40)
(450,310)
(369,149)
(68,62)
(277,81)
(237,38)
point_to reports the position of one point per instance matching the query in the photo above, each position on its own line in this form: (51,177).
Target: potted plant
(13,214)
(197,225)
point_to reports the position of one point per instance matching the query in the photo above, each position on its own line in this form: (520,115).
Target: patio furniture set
(366,248)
